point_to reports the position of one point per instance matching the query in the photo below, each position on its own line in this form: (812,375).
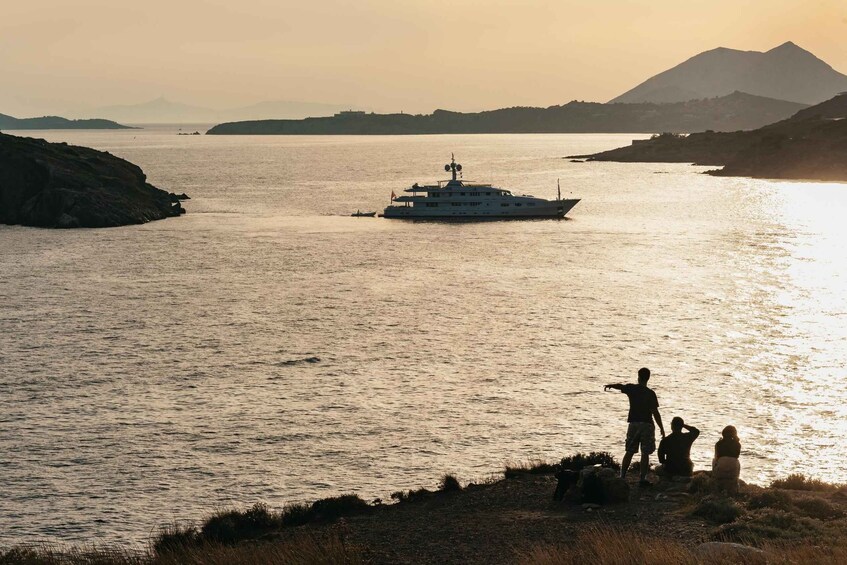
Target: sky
(60,56)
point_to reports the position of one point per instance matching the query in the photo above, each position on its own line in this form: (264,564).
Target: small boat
(457,199)
(360,214)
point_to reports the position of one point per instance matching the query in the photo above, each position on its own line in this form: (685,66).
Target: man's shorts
(641,434)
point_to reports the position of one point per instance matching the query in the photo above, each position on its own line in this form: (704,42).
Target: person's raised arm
(693,431)
(658,418)
(616,386)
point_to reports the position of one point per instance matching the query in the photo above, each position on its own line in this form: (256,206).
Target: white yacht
(458,199)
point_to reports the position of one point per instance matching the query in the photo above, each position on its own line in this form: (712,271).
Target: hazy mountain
(162,110)
(55,122)
(159,110)
(736,111)
(787,72)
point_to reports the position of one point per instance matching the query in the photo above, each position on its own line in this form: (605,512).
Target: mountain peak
(786,72)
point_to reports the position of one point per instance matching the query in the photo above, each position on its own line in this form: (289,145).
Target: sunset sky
(387,55)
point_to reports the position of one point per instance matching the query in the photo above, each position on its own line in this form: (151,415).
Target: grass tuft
(718,509)
(798,481)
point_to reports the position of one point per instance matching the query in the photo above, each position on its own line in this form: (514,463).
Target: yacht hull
(551,209)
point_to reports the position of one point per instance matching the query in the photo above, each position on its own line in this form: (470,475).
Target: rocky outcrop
(812,144)
(55,185)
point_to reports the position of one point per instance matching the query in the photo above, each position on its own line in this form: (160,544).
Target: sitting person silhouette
(725,465)
(675,450)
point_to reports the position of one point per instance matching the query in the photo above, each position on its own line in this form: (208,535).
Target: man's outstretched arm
(616,386)
(658,418)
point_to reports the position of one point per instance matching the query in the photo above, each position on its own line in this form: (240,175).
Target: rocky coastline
(56,185)
(522,516)
(812,145)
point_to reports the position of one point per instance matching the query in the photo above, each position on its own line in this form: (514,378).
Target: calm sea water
(268,347)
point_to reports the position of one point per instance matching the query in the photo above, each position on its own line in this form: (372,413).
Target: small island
(811,144)
(56,185)
(56,122)
(734,111)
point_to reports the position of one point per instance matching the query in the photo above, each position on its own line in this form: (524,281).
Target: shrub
(410,495)
(700,483)
(815,507)
(770,499)
(449,483)
(579,461)
(328,509)
(719,510)
(232,526)
(175,538)
(797,481)
(768,523)
(533,467)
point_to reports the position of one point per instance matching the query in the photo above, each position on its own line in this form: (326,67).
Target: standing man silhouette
(643,408)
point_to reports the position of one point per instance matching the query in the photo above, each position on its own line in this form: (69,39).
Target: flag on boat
(393,196)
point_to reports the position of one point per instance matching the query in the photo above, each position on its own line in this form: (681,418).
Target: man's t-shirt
(642,402)
(675,451)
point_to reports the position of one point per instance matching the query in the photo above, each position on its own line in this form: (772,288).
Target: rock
(716,552)
(591,506)
(600,485)
(55,185)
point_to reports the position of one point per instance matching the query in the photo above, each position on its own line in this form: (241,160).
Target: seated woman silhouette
(725,465)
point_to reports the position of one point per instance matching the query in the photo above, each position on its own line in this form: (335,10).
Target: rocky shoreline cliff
(812,144)
(56,185)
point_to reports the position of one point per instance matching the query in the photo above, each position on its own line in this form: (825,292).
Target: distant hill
(728,113)
(55,122)
(787,72)
(812,144)
(162,110)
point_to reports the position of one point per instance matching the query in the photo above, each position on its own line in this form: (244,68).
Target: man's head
(677,423)
(643,375)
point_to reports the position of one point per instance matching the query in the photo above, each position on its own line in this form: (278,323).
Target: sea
(268,347)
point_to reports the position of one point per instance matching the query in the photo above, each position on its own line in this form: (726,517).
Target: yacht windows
(518,204)
(432,204)
(455,204)
(504,204)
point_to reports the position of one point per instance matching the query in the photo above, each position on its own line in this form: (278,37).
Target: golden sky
(386,55)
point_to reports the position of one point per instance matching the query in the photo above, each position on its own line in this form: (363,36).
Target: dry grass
(530,467)
(301,549)
(605,545)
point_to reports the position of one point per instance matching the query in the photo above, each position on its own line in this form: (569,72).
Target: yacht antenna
(453,166)
(559,189)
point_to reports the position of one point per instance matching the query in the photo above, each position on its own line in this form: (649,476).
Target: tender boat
(360,214)
(458,199)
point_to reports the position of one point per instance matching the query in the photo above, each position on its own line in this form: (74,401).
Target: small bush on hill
(411,495)
(768,524)
(700,483)
(534,467)
(579,461)
(818,508)
(799,481)
(719,510)
(770,499)
(449,483)
(232,526)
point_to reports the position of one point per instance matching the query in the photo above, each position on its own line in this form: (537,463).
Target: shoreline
(508,519)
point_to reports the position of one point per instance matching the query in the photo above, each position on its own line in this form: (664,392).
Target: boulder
(716,552)
(600,485)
